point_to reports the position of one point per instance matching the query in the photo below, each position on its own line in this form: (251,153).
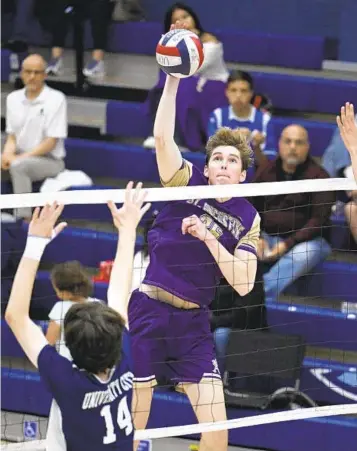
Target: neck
(31,95)
(242,111)
(288,168)
(104,375)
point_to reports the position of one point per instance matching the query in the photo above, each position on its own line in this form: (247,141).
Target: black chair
(264,358)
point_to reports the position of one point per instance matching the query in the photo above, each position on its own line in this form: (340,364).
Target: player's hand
(129,215)
(43,221)
(6,160)
(245,132)
(257,139)
(348,129)
(195,227)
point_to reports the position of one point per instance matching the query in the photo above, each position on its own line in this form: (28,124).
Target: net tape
(179,193)
(256,420)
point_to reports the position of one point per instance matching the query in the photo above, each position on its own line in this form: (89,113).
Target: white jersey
(55,440)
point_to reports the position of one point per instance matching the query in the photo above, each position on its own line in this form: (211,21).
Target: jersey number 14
(123,419)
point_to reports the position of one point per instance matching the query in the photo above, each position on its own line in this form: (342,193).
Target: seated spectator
(232,311)
(198,95)
(36,125)
(21,12)
(99,14)
(294,226)
(351,214)
(241,114)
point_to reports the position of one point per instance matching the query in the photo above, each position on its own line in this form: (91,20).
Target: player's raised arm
(126,220)
(41,230)
(348,128)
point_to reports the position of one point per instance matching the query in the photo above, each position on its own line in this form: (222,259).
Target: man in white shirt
(36,125)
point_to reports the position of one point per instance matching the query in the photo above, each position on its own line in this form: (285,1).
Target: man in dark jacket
(294,226)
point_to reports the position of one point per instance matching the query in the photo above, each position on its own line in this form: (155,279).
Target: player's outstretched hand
(348,129)
(129,215)
(195,227)
(43,221)
(178,25)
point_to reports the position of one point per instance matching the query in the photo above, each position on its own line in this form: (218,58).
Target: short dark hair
(239,75)
(179,5)
(225,136)
(93,334)
(72,277)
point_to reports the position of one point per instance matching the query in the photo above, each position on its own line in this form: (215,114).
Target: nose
(224,164)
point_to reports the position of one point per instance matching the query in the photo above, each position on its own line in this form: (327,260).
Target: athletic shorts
(170,345)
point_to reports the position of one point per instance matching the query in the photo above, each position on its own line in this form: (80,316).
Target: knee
(214,441)
(18,166)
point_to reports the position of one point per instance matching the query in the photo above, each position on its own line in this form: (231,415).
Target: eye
(217,158)
(232,160)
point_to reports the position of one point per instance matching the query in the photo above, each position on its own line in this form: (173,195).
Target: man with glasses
(294,226)
(36,125)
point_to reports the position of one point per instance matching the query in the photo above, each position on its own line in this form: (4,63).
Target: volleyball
(180,53)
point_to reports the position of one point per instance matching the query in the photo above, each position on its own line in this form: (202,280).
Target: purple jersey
(96,415)
(182,264)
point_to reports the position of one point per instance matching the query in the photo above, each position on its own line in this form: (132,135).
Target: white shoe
(94,69)
(54,66)
(149,143)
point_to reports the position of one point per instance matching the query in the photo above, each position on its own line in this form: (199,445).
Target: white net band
(256,420)
(180,193)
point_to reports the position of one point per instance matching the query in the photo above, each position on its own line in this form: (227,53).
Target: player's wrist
(35,247)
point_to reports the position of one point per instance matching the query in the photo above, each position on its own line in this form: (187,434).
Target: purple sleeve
(197,178)
(55,370)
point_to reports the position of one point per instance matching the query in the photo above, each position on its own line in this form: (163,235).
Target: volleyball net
(288,351)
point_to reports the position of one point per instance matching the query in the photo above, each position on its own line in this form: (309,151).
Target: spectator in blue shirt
(240,113)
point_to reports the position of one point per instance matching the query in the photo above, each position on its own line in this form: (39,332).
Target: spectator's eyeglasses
(298,142)
(34,72)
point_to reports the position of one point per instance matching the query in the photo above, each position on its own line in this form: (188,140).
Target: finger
(36,214)
(143,195)
(128,191)
(58,229)
(112,207)
(57,210)
(44,211)
(144,209)
(137,192)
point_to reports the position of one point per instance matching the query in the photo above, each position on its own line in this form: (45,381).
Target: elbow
(9,317)
(244,288)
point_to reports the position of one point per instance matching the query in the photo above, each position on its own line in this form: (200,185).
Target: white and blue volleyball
(180,53)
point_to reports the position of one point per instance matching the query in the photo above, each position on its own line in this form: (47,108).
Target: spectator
(295,226)
(36,124)
(232,311)
(99,14)
(198,95)
(241,114)
(21,11)
(351,214)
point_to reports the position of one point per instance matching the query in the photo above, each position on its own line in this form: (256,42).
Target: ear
(205,171)
(242,176)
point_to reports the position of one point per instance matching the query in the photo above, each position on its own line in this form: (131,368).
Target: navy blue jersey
(96,415)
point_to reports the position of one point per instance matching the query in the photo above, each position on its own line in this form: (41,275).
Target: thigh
(309,253)
(147,319)
(191,347)
(38,168)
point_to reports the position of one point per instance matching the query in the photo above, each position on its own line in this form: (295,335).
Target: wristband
(35,247)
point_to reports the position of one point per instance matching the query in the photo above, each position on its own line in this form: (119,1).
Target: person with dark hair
(191,245)
(93,392)
(72,285)
(241,114)
(200,94)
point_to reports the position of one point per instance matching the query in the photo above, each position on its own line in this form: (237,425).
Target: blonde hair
(225,136)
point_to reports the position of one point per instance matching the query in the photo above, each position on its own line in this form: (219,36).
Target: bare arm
(239,269)
(27,333)
(10,145)
(126,220)
(45,146)
(168,155)
(53,333)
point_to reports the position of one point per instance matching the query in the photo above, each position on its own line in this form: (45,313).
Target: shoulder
(15,96)
(245,211)
(53,95)
(208,37)
(265,171)
(59,310)
(314,170)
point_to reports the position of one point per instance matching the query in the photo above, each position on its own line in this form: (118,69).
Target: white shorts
(55,440)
